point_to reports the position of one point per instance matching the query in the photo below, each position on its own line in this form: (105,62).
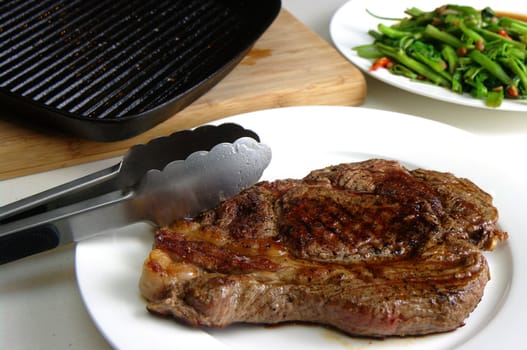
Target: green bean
(492,67)
(494,98)
(368,51)
(399,69)
(514,25)
(495,36)
(450,56)
(435,66)
(457,84)
(480,90)
(415,12)
(471,34)
(519,69)
(376,35)
(392,32)
(401,57)
(464,10)
(442,36)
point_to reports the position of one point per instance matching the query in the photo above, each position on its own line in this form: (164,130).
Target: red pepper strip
(513,91)
(381,62)
(504,34)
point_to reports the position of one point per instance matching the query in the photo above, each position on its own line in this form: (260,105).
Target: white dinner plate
(351,22)
(302,139)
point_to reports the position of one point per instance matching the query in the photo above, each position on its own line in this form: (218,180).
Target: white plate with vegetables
(468,72)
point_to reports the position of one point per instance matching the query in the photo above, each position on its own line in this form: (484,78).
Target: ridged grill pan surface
(109,70)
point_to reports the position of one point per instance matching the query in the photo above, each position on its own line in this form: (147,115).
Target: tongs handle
(50,229)
(15,246)
(34,238)
(68,193)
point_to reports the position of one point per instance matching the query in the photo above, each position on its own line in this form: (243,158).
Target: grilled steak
(370,248)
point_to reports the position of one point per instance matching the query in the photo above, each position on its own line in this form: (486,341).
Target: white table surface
(40,304)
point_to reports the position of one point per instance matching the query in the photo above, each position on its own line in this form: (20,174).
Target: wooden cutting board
(289,65)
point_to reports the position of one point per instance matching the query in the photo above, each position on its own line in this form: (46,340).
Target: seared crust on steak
(370,248)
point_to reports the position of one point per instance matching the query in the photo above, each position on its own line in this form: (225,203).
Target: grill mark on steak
(347,227)
(370,248)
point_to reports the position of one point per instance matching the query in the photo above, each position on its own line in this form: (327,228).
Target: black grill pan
(108,70)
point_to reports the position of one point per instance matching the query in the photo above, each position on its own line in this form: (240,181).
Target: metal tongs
(168,178)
